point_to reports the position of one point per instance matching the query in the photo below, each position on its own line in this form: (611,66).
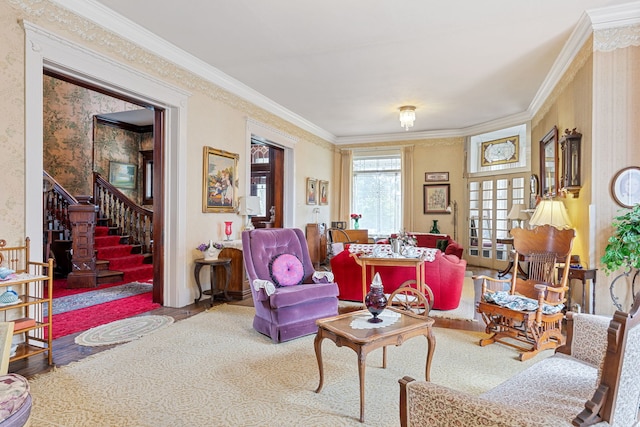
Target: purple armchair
(285,312)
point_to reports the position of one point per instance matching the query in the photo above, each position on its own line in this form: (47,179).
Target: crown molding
(570,50)
(129,30)
(615,16)
(594,19)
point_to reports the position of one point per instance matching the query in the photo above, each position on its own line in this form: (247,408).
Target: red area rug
(86,318)
(89,317)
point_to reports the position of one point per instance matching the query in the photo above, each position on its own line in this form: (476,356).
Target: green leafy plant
(623,248)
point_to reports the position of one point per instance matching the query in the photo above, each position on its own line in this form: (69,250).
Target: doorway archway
(47,50)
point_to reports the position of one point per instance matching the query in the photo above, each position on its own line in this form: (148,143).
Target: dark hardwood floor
(66,351)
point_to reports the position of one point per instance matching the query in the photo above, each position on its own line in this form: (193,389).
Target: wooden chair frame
(542,247)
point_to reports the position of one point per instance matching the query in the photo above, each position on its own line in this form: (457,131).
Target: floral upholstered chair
(593,380)
(15,398)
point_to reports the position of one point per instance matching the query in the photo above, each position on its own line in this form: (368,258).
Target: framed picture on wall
(123,175)
(218,180)
(323,191)
(625,187)
(312,191)
(436,198)
(436,176)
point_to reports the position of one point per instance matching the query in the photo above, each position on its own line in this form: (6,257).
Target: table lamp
(249,206)
(518,214)
(551,212)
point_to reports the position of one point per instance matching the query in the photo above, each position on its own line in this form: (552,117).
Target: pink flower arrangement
(356,216)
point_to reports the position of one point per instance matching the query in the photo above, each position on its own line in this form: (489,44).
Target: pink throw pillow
(286,270)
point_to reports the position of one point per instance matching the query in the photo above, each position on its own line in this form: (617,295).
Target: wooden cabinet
(32,311)
(353,236)
(317,243)
(239,284)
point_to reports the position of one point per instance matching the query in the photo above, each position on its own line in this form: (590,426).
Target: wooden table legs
(362,349)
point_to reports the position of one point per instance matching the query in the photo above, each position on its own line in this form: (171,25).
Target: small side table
(213,266)
(512,261)
(582,274)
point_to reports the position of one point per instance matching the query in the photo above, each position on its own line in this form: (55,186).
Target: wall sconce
(570,146)
(249,206)
(407,116)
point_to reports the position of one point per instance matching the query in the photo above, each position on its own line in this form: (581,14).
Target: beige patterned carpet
(467,308)
(213,369)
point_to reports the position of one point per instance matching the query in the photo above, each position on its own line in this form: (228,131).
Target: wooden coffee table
(338,329)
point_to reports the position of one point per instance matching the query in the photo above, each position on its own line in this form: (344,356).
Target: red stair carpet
(90,317)
(109,248)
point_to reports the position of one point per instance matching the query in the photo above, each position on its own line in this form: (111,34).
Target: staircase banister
(59,189)
(99,179)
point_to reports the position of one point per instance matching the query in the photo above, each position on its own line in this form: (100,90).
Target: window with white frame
(377,192)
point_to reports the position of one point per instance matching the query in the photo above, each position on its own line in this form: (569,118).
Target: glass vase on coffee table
(375,300)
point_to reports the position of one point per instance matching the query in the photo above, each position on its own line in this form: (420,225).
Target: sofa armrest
(427,404)
(587,338)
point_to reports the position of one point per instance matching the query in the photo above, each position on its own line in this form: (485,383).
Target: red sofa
(444,276)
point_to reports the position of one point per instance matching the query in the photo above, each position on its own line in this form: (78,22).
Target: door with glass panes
(490,199)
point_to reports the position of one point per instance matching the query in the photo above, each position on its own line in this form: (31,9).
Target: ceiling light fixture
(407,116)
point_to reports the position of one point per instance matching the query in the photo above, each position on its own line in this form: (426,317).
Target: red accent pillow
(286,270)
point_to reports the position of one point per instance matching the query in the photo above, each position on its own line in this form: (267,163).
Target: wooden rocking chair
(529,311)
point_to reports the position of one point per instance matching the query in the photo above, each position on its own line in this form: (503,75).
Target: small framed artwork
(218,180)
(323,190)
(436,176)
(312,191)
(625,187)
(122,175)
(436,198)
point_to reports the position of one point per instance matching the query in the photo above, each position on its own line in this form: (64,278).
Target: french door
(490,199)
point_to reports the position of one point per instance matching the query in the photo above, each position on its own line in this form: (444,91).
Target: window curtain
(407,188)
(346,176)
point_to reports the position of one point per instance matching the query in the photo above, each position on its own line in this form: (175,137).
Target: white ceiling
(346,66)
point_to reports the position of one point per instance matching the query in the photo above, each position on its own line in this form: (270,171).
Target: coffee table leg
(431,346)
(317,344)
(362,357)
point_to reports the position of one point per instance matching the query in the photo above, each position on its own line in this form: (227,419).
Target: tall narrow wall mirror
(549,163)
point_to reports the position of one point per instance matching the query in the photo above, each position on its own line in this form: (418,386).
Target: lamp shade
(249,205)
(517,212)
(551,212)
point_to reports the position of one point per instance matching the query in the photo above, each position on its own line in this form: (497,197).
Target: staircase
(117,260)
(122,240)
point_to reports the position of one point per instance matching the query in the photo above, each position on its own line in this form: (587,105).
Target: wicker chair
(528,310)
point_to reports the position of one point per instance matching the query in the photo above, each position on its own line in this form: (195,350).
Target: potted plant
(623,248)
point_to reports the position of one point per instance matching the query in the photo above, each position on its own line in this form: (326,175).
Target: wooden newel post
(83,259)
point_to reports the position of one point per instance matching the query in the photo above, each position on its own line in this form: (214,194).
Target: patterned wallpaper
(119,145)
(68,136)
